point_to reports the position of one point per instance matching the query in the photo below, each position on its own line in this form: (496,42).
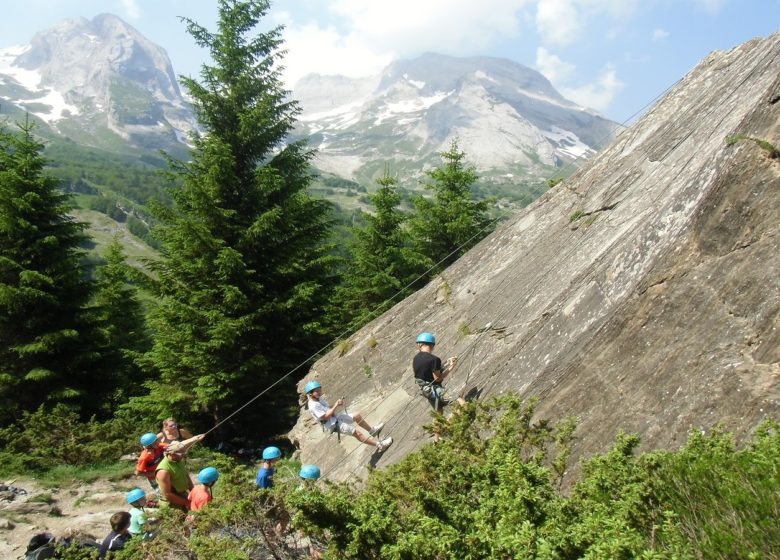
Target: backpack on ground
(40,547)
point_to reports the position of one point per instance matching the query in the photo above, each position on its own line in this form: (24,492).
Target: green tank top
(180,478)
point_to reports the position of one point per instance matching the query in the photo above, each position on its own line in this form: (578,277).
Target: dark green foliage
(384,265)
(726,499)
(92,171)
(47,338)
(56,437)
(245,273)
(448,225)
(122,325)
(490,490)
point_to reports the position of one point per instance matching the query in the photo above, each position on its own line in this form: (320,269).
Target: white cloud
(426,25)
(558,21)
(599,94)
(366,35)
(132,9)
(660,34)
(562,22)
(552,67)
(312,49)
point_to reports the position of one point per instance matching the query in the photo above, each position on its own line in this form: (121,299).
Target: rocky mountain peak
(512,124)
(436,72)
(100,73)
(80,56)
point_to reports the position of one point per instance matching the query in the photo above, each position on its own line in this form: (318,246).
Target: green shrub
(49,438)
(727,500)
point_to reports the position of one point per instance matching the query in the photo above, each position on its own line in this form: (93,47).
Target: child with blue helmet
(429,372)
(201,493)
(342,422)
(265,476)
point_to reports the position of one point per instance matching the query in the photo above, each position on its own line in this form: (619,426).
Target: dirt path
(82,507)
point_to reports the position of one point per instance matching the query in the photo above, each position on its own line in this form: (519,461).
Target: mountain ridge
(508,118)
(102,84)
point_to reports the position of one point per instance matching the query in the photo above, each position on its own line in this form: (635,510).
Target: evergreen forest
(253,278)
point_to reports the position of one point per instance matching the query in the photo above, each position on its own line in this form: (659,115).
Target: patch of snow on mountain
(567,142)
(413,105)
(31,80)
(480,75)
(59,107)
(346,110)
(28,79)
(415,83)
(550,100)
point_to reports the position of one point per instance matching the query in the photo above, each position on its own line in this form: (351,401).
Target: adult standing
(172,432)
(172,476)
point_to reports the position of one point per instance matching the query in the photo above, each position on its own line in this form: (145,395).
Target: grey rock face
(642,294)
(509,119)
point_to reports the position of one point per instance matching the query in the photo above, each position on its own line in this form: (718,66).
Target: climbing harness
(335,427)
(432,391)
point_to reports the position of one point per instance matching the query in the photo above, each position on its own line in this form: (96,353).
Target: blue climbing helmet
(134,495)
(311,385)
(271,453)
(426,338)
(148,439)
(208,475)
(310,472)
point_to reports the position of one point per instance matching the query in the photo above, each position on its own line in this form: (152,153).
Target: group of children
(161,460)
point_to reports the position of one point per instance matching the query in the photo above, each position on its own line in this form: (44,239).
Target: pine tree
(47,345)
(245,274)
(448,225)
(122,325)
(384,265)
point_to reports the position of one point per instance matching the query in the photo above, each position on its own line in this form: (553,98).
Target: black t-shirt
(424,364)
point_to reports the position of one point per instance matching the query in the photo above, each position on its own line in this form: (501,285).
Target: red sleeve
(141,465)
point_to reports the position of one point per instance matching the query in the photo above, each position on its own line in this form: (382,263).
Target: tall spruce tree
(452,222)
(245,273)
(384,263)
(47,336)
(122,324)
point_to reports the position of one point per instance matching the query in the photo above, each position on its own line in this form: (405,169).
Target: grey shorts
(345,424)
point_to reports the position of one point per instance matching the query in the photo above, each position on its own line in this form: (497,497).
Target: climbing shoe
(376,429)
(384,444)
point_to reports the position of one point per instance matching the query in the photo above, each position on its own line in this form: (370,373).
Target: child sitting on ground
(119,535)
(139,521)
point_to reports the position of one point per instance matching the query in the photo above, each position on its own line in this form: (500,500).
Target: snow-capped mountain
(99,82)
(508,119)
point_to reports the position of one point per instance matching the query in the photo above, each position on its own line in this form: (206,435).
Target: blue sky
(614,56)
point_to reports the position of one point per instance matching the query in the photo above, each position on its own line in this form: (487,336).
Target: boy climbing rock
(342,422)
